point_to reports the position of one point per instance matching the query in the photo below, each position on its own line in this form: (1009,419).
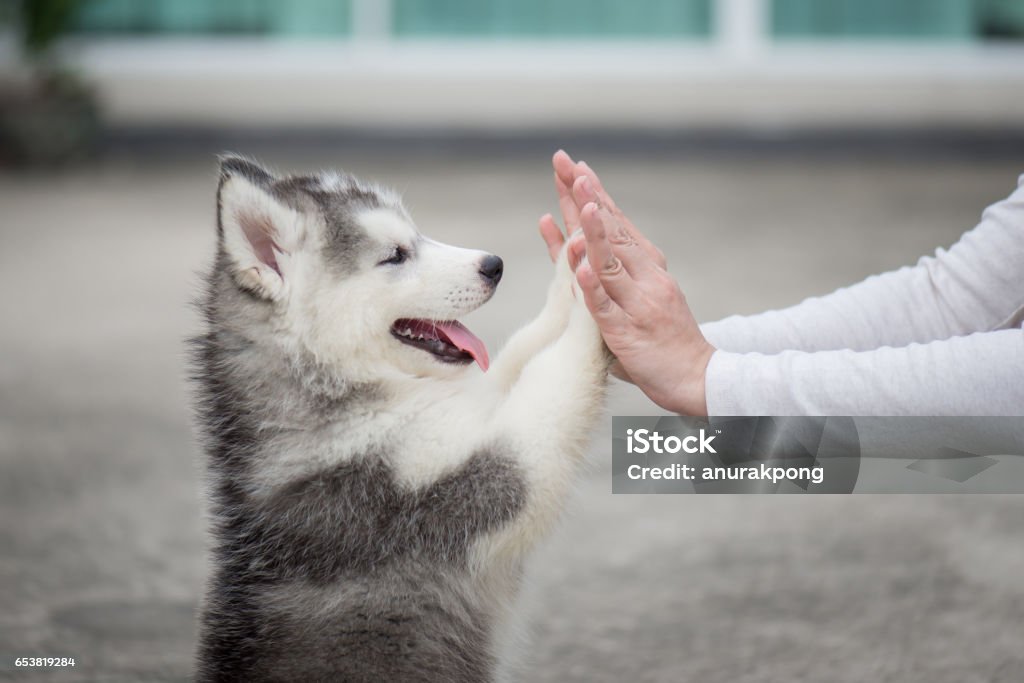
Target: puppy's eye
(399,255)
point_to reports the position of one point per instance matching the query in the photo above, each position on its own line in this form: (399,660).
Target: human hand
(642,313)
(566,173)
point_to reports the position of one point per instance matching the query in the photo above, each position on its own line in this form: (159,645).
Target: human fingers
(552,235)
(600,195)
(606,313)
(569,171)
(582,168)
(564,167)
(577,249)
(624,245)
(567,205)
(614,277)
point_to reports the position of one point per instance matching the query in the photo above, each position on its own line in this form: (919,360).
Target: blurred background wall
(765,65)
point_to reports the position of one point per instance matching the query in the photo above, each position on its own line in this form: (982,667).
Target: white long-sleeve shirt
(943,337)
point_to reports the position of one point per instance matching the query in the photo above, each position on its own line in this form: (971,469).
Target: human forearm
(981,374)
(974,286)
(893,309)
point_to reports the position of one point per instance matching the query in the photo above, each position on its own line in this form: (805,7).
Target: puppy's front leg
(529,340)
(549,415)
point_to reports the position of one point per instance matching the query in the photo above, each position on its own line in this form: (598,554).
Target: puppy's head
(340,272)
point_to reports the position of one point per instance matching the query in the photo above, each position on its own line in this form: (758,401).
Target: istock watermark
(645,440)
(672,454)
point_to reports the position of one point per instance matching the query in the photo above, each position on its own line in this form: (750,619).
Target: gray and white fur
(373,496)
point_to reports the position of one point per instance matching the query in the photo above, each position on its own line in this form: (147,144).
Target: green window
(957,20)
(245,17)
(410,18)
(911,19)
(553,18)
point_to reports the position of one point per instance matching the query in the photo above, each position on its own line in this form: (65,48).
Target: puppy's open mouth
(448,340)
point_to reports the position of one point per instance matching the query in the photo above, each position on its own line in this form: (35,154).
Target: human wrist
(689,395)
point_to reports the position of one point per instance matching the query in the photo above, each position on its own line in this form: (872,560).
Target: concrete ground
(101,533)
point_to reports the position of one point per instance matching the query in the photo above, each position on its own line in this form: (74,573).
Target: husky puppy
(373,493)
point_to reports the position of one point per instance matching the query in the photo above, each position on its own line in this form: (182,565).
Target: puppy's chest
(357,516)
(430,439)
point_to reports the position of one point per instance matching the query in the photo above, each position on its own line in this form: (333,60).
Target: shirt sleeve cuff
(720,386)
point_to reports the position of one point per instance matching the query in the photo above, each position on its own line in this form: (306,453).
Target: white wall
(740,78)
(522,85)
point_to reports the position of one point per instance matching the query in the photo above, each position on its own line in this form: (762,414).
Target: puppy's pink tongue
(466,341)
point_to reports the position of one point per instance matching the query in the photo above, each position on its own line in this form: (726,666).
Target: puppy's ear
(257,231)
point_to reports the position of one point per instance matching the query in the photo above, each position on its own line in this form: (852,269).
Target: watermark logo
(647,441)
(673,454)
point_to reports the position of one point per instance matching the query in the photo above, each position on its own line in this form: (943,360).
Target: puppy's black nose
(491,268)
